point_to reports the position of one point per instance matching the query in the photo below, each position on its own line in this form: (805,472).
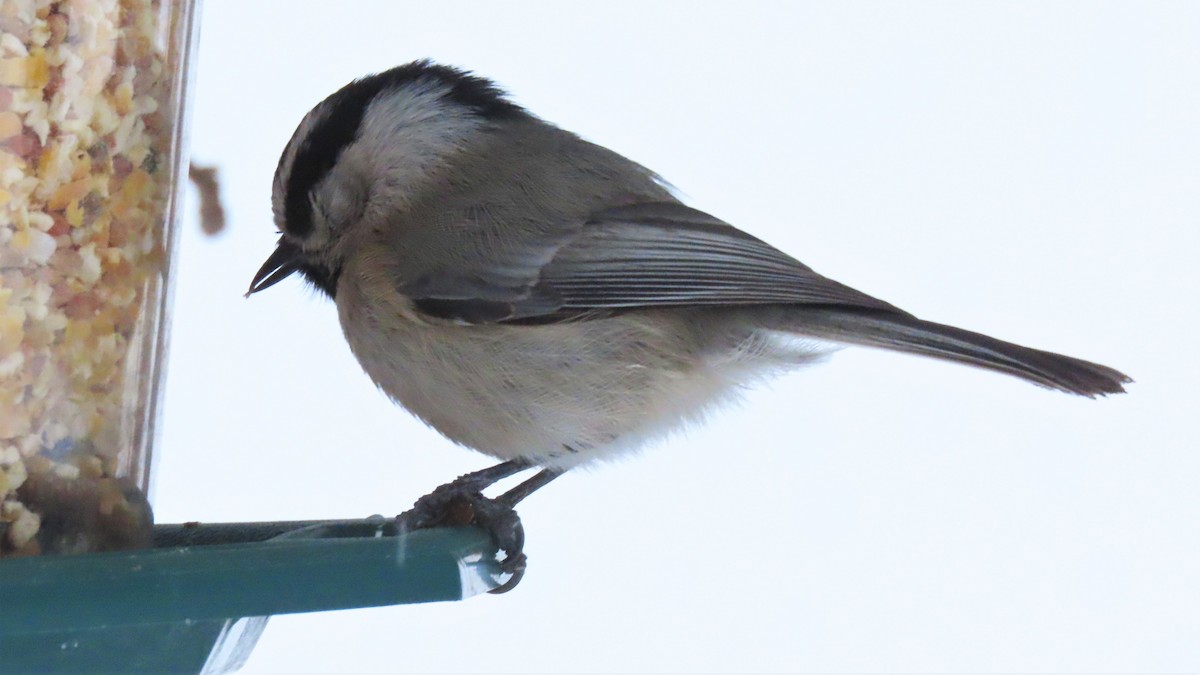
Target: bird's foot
(461,503)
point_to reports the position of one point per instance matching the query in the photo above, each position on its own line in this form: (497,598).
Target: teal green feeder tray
(197,602)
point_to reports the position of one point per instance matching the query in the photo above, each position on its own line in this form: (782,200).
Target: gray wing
(659,254)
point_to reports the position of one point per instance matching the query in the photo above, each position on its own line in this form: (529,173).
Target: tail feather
(906,333)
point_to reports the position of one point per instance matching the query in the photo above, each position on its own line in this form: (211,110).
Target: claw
(459,505)
(461,502)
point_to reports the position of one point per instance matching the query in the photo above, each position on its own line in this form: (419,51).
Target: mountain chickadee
(546,301)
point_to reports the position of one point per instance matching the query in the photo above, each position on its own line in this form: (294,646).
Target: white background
(1026,170)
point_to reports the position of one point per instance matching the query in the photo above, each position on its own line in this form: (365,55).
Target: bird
(546,301)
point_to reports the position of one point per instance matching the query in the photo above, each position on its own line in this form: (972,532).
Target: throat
(322,277)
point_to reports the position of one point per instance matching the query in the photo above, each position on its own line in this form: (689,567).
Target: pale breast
(560,394)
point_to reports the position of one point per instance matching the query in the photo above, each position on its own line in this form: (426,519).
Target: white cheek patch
(337,205)
(405,138)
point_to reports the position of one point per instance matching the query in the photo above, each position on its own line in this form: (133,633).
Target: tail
(906,333)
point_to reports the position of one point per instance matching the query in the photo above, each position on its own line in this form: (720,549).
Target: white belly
(559,394)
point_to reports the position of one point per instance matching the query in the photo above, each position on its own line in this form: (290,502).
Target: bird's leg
(540,479)
(461,502)
(485,477)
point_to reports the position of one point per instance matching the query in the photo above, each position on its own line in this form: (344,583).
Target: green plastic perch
(175,608)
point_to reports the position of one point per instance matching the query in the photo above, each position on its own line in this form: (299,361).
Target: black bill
(283,262)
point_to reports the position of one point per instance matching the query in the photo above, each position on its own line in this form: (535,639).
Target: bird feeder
(93,121)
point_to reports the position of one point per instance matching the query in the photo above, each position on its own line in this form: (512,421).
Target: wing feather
(660,254)
(672,255)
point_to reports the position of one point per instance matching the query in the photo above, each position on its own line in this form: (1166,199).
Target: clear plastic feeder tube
(91,157)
